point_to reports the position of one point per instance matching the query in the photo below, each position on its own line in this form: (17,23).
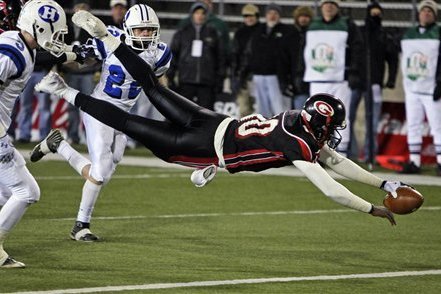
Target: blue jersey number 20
(116,78)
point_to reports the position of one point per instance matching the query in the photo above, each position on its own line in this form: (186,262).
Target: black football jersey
(256,143)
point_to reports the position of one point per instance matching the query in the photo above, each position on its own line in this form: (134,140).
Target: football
(407,201)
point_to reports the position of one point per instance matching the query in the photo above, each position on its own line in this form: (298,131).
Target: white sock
(90,195)
(415,158)
(75,159)
(11,213)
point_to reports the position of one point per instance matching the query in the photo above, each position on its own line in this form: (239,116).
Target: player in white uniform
(106,145)
(41,23)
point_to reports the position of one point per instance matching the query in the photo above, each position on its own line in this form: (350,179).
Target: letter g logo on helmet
(324,108)
(48,13)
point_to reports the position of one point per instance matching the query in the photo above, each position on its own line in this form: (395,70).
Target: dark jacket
(209,69)
(383,49)
(274,53)
(300,87)
(240,41)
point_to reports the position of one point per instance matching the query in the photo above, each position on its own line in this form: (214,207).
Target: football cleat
(202,177)
(7,261)
(12,263)
(81,232)
(49,144)
(52,83)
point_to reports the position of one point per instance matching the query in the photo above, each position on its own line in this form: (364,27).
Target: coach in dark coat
(198,59)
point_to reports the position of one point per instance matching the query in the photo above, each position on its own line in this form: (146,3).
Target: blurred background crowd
(243,57)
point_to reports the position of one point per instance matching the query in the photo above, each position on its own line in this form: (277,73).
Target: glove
(84,51)
(437,92)
(390,84)
(6,150)
(354,81)
(96,28)
(392,186)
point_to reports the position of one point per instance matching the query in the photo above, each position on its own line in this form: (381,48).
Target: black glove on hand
(437,92)
(83,52)
(390,84)
(354,81)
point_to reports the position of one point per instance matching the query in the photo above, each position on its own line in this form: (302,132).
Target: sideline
(237,282)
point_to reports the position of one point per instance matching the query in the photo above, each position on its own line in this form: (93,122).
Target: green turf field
(157,228)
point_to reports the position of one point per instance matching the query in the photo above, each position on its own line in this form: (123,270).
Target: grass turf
(150,248)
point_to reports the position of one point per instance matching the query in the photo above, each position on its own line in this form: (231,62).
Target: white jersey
(16,65)
(116,85)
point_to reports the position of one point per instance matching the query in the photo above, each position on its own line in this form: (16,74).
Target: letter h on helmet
(45,21)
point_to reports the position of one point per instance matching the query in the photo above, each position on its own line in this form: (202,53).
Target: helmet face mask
(138,18)
(45,21)
(323,116)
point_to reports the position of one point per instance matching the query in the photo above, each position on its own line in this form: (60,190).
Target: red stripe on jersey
(194,161)
(306,151)
(251,152)
(255,161)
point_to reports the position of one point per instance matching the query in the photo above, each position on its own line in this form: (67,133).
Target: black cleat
(49,144)
(10,262)
(438,170)
(410,168)
(81,232)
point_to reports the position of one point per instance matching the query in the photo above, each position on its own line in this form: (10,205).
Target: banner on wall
(392,138)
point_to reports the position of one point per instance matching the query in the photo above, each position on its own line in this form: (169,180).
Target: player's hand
(392,186)
(83,52)
(383,212)
(90,23)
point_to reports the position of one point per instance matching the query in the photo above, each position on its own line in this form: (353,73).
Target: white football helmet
(141,16)
(45,20)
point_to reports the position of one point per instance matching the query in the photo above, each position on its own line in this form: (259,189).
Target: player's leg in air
(189,140)
(55,143)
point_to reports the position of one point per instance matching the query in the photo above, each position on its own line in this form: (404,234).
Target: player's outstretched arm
(339,193)
(349,169)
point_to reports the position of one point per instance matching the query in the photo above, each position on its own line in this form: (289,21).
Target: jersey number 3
(115,79)
(256,125)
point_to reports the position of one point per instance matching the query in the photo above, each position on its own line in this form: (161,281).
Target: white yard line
(238,282)
(116,177)
(251,213)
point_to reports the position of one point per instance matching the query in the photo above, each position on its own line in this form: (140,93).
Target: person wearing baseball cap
(333,57)
(241,76)
(302,17)
(420,65)
(118,10)
(335,2)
